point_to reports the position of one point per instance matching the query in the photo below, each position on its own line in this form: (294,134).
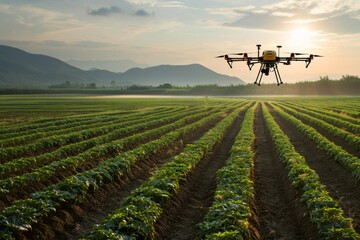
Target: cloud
(263,21)
(337,17)
(340,24)
(161,3)
(24,21)
(105,11)
(114,10)
(52,44)
(171,4)
(142,13)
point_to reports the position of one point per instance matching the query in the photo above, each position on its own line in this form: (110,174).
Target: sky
(155,32)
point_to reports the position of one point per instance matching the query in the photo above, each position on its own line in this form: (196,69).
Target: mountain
(109,65)
(20,69)
(104,75)
(180,75)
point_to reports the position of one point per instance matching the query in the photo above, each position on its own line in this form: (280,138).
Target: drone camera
(266,71)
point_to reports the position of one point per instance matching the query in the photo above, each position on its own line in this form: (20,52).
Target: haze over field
(154,32)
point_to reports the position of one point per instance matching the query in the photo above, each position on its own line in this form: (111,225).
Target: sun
(302,37)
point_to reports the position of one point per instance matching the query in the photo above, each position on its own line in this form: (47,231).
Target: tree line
(347,85)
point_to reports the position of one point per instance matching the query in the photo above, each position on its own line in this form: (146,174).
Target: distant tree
(66,84)
(136,87)
(113,84)
(165,85)
(91,85)
(324,78)
(350,78)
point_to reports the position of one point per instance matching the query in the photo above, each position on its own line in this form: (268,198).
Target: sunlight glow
(303,38)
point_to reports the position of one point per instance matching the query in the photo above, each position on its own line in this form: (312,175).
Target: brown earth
(340,184)
(80,219)
(335,139)
(25,192)
(187,209)
(278,213)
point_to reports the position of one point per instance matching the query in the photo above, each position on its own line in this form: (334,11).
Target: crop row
(21,164)
(228,217)
(48,123)
(45,144)
(115,147)
(350,127)
(324,212)
(42,132)
(331,114)
(32,126)
(23,213)
(22,138)
(72,149)
(350,162)
(345,107)
(350,111)
(346,136)
(138,213)
(16,138)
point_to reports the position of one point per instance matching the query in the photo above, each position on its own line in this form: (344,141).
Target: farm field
(179,168)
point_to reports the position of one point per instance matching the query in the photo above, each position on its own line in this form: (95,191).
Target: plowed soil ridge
(74,222)
(181,221)
(278,212)
(337,140)
(340,184)
(62,174)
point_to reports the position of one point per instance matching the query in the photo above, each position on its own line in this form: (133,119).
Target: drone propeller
(221,56)
(301,53)
(314,55)
(240,54)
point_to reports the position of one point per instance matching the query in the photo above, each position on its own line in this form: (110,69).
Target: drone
(268,61)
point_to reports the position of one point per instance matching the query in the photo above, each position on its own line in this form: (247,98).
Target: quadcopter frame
(268,62)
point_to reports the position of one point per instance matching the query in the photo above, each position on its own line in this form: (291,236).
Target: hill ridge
(19,68)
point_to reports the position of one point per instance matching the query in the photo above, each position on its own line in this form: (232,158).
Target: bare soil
(75,221)
(340,184)
(278,213)
(25,192)
(335,139)
(186,210)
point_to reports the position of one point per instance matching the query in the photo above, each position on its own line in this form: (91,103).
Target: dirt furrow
(73,222)
(61,174)
(277,211)
(340,184)
(336,139)
(180,220)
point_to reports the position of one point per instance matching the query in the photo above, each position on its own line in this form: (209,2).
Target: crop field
(179,168)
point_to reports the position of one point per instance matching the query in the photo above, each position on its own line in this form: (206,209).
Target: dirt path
(199,193)
(337,140)
(277,211)
(341,185)
(79,220)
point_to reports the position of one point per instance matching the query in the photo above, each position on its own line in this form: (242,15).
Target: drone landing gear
(277,75)
(261,70)
(265,68)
